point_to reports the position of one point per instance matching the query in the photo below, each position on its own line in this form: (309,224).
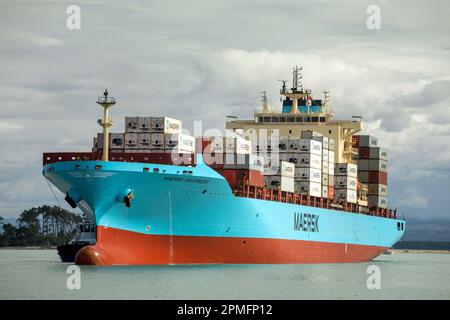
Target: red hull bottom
(120,247)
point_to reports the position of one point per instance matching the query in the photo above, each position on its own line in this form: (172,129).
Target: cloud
(206,60)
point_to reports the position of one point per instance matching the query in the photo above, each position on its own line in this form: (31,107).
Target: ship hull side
(175,219)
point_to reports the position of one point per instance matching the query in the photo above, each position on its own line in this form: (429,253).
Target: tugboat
(84,237)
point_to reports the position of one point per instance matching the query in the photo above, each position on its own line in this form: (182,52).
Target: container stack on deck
(372,169)
(282,178)
(148,135)
(346,182)
(308,176)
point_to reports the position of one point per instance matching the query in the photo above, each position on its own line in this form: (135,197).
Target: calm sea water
(38,274)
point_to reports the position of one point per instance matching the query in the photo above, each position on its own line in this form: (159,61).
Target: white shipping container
(308,188)
(331,145)
(186,143)
(157,140)
(287,169)
(377,189)
(377,201)
(309,174)
(166,125)
(346,169)
(144,140)
(331,156)
(345,182)
(378,165)
(131,140)
(217,145)
(309,160)
(324,141)
(230,144)
(131,124)
(324,191)
(345,195)
(331,180)
(287,184)
(144,124)
(311,146)
(331,167)
(325,154)
(243,146)
(325,167)
(368,141)
(378,153)
(244,161)
(325,179)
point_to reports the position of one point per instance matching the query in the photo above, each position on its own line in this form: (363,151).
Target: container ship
(290,186)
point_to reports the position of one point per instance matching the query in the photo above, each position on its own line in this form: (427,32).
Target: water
(38,274)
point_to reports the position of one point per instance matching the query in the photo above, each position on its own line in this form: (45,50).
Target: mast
(106,102)
(296,90)
(265,103)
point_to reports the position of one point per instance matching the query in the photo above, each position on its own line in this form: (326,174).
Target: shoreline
(401,251)
(29,248)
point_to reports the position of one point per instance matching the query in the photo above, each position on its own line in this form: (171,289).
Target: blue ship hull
(190,215)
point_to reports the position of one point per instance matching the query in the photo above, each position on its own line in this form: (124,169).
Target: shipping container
(331,168)
(247,162)
(165,125)
(243,146)
(170,140)
(378,153)
(367,141)
(325,167)
(281,183)
(363,153)
(331,157)
(308,174)
(377,201)
(308,134)
(240,177)
(346,169)
(331,145)
(311,146)
(325,179)
(294,144)
(372,177)
(363,164)
(283,144)
(323,140)
(145,124)
(144,140)
(308,188)
(377,189)
(186,143)
(294,158)
(345,182)
(117,140)
(378,165)
(355,141)
(309,160)
(331,179)
(345,195)
(131,124)
(325,155)
(287,169)
(131,140)
(324,191)
(157,140)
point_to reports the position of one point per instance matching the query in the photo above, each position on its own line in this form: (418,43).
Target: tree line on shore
(40,226)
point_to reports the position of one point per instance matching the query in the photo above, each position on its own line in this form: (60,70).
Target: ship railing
(262,193)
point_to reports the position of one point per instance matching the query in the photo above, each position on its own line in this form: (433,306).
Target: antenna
(283,88)
(106,102)
(296,76)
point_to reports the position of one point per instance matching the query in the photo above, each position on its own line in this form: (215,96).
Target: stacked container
(372,169)
(345,182)
(308,171)
(284,179)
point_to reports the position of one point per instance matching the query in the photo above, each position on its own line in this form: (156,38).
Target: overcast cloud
(203,60)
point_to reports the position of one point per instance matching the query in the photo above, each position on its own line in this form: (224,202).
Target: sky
(203,60)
